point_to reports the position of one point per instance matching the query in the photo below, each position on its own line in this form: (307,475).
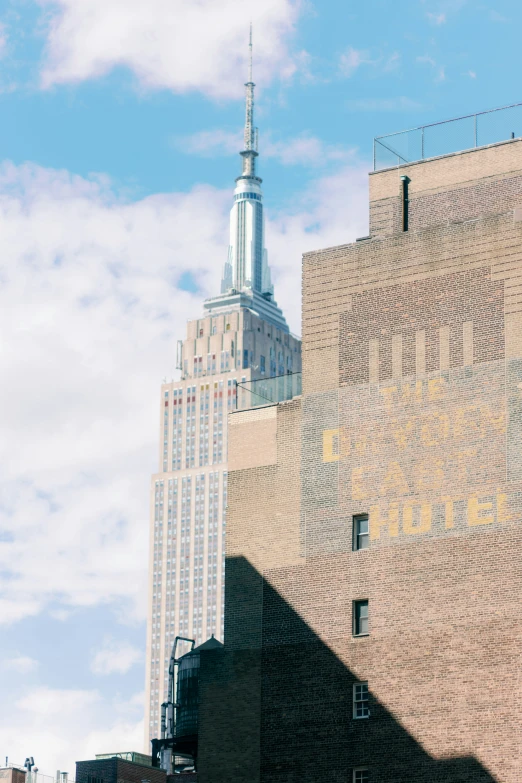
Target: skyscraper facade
(241,336)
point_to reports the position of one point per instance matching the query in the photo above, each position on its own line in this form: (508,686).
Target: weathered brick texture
(115,770)
(412,413)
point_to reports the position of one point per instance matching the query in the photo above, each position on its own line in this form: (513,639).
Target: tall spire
(250,55)
(249,152)
(246,280)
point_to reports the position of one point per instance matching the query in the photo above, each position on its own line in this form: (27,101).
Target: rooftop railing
(35,776)
(443,138)
(268,391)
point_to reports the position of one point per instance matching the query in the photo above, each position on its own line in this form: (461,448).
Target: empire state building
(241,336)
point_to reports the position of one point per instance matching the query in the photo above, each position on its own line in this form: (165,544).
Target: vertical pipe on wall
(405,202)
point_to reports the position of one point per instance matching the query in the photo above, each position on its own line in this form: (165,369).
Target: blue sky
(120,125)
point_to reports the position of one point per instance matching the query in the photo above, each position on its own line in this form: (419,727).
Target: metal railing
(268,391)
(443,138)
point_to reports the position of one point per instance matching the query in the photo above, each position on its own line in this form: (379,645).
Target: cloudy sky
(120,121)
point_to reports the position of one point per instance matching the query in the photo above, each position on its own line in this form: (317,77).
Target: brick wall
(115,770)
(12,775)
(412,413)
(450,189)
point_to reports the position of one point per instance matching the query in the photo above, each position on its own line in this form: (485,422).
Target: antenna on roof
(250,55)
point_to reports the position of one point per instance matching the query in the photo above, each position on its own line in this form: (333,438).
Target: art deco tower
(241,336)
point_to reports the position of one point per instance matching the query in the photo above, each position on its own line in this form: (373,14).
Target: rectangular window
(262,364)
(245,359)
(360,776)
(361,538)
(361,707)
(360,618)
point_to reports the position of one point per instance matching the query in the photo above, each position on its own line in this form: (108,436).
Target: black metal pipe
(405,202)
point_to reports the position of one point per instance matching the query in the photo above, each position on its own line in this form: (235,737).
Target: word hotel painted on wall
(422,471)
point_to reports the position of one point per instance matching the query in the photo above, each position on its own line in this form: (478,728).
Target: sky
(120,123)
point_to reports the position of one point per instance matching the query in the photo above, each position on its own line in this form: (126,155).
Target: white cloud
(392,62)
(303,150)
(402,103)
(352,59)
(22,664)
(428,60)
(89,317)
(439,71)
(210,142)
(116,656)
(436,19)
(333,211)
(62,726)
(3,39)
(178,44)
(306,150)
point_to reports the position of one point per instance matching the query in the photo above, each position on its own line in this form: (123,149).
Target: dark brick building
(117,770)
(374,536)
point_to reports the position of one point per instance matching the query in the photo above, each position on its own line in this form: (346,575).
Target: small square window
(361,537)
(360,618)
(361,707)
(360,776)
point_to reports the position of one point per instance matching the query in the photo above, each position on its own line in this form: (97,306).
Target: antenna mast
(249,119)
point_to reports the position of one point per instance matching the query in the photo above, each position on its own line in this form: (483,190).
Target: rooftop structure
(449,136)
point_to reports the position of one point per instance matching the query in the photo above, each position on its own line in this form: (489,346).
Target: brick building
(117,770)
(12,775)
(374,577)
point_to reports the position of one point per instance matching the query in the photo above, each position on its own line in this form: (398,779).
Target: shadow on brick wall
(306,732)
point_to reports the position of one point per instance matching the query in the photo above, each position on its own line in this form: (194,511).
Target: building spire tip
(250,55)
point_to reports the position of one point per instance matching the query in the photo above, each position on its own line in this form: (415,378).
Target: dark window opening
(361,532)
(360,618)
(361,700)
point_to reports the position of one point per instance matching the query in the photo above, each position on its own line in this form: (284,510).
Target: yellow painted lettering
(436,388)
(360,444)
(409,394)
(388,392)
(475,509)
(402,433)
(466,423)
(498,423)
(435,430)
(429,475)
(424,523)
(394,481)
(359,481)
(377,522)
